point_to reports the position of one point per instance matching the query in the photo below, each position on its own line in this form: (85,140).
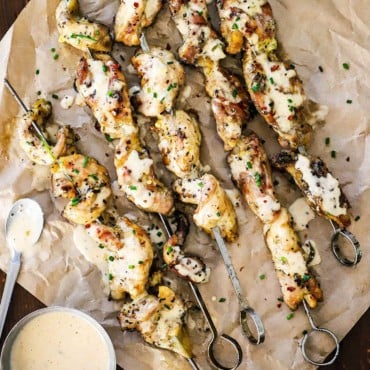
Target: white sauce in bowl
(59,340)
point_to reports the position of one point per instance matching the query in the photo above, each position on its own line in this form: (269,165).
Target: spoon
(23,226)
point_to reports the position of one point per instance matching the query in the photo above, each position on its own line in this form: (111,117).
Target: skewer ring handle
(304,341)
(256,336)
(236,347)
(336,246)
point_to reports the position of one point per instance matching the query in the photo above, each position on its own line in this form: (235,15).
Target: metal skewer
(256,336)
(316,329)
(34,124)
(336,246)
(203,307)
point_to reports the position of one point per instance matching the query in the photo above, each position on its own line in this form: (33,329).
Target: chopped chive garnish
(272,81)
(86,161)
(345,66)
(75,171)
(333,154)
(55,96)
(357,218)
(37,71)
(133,187)
(321,69)
(327,141)
(262,277)
(93,176)
(249,165)
(218,214)
(75,201)
(235,26)
(349,101)
(82,36)
(110,277)
(38,93)
(234,93)
(108,137)
(167,306)
(200,184)
(110,93)
(222,299)
(169,250)
(257,178)
(140,262)
(131,267)
(111,258)
(164,266)
(170,62)
(284,260)
(105,68)
(306,277)
(171,86)
(256,87)
(52,50)
(101,246)
(159,233)
(155,95)
(290,316)
(56,56)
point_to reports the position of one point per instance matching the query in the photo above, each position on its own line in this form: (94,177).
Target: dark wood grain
(355,348)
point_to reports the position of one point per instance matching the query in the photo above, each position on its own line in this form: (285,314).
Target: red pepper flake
(278,305)
(291,289)
(136,5)
(275,67)
(290,118)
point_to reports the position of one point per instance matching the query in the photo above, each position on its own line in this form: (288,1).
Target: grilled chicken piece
(85,183)
(136,177)
(37,149)
(201,42)
(247,19)
(132,16)
(214,207)
(79,31)
(103,86)
(187,267)
(278,95)
(162,77)
(160,320)
(179,142)
(130,255)
(321,189)
(251,172)
(229,101)
(296,282)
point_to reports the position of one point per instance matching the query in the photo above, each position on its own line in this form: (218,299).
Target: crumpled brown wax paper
(312,33)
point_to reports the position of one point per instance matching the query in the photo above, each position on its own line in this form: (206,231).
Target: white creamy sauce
(326,188)
(138,166)
(156,235)
(90,249)
(59,341)
(234,196)
(278,238)
(24,230)
(280,91)
(250,7)
(67,101)
(214,49)
(307,246)
(221,86)
(151,8)
(302,214)
(267,207)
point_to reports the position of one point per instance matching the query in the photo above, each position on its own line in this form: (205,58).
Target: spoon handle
(11,278)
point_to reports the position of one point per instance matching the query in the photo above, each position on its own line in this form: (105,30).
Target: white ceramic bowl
(9,341)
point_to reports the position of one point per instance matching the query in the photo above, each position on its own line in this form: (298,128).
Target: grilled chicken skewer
(78,31)
(132,17)
(273,85)
(202,47)
(321,189)
(179,133)
(251,172)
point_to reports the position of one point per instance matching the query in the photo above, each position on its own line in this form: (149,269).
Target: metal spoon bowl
(31,215)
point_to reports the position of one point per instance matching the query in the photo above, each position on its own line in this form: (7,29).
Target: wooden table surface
(355,348)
